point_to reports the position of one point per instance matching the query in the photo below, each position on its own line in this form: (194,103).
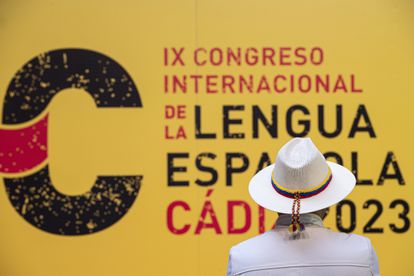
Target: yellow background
(372,39)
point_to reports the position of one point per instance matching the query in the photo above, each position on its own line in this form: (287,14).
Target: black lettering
(263,162)
(172,169)
(203,168)
(230,169)
(362,114)
(352,213)
(391,160)
(334,155)
(227,122)
(321,120)
(354,166)
(368,228)
(304,123)
(259,116)
(198,133)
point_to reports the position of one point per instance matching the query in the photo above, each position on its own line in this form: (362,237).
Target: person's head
(301,181)
(322,213)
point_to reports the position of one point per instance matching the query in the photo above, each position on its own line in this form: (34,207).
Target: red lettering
(170,217)
(230,217)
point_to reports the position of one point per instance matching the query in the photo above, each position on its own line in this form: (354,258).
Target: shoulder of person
(339,242)
(351,239)
(253,241)
(322,246)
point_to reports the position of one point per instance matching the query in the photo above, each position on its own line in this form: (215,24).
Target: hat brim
(263,193)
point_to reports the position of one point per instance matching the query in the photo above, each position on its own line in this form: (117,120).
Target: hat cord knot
(295,225)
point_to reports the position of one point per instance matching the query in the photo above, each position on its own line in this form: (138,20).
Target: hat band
(303,193)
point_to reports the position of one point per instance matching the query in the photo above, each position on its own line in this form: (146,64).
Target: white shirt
(319,251)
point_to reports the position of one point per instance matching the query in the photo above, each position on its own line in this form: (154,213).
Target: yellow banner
(130,129)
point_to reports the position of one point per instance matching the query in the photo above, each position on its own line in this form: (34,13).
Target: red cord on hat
(295,225)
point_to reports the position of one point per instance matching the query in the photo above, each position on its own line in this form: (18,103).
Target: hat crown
(300,165)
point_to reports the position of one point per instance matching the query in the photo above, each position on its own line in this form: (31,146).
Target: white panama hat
(300,169)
